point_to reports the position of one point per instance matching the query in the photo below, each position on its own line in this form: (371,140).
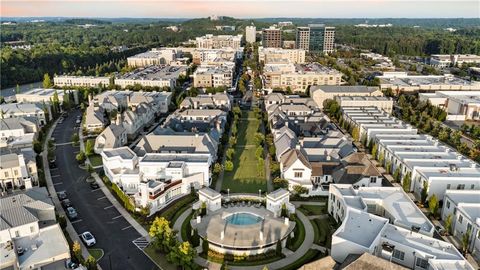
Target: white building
(153,76)
(402,82)
(24,110)
(18,170)
(210,41)
(446,60)
(156,56)
(381,62)
(250,34)
(459,105)
(211,198)
(24,216)
(463,207)
(279,55)
(213,76)
(320,93)
(216,101)
(278,200)
(39,95)
(380,102)
(216,57)
(386,223)
(81,81)
(17,133)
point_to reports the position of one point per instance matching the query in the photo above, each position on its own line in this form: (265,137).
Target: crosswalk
(141,242)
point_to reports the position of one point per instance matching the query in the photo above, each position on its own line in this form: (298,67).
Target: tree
(47,82)
(162,234)
(228,166)
(356,134)
(259,152)
(183,255)
(388,167)
(80,157)
(230,152)
(77,250)
(297,189)
(75,138)
(406,183)
(284,212)
(424,193)
(37,147)
(433,205)
(396,174)
(259,138)
(205,247)
(448,224)
(381,159)
(89,147)
(195,238)
(374,150)
(466,240)
(217,168)
(278,248)
(91,263)
(280,183)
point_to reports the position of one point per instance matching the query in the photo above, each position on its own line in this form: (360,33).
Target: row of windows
(419,262)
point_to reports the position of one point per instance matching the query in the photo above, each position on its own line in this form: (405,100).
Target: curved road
(96,214)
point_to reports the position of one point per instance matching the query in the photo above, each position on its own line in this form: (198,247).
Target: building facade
(81,81)
(250,34)
(272,37)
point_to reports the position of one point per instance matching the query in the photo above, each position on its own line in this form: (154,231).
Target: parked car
(71,213)
(66,203)
(52,163)
(62,195)
(94,185)
(78,121)
(69,264)
(88,239)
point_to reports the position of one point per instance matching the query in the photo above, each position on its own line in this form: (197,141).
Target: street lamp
(259,193)
(228,192)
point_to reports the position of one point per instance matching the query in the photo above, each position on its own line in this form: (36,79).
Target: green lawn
(313,210)
(159,258)
(299,235)
(325,232)
(310,256)
(95,160)
(96,253)
(244,177)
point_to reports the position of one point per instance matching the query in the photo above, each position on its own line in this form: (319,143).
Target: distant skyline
(242,9)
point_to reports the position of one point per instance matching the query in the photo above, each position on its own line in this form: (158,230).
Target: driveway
(96,214)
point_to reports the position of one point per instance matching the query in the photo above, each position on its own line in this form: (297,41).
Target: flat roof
(123,152)
(466,173)
(154,73)
(344,88)
(363,98)
(361,227)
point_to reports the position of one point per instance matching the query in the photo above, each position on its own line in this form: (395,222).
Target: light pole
(259,193)
(228,192)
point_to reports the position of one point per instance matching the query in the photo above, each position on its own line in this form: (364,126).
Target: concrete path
(113,200)
(51,189)
(298,203)
(178,225)
(219,183)
(294,256)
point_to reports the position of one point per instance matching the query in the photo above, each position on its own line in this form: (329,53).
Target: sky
(242,8)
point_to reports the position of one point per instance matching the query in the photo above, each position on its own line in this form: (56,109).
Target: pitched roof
(292,155)
(354,167)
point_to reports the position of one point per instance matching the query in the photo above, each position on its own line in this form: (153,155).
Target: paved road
(96,214)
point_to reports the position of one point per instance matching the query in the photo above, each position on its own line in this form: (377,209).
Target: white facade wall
(81,81)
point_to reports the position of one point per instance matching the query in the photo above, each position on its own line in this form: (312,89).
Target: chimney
(118,121)
(217,124)
(286,220)
(297,146)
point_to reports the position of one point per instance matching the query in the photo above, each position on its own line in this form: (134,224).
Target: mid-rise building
(210,41)
(215,56)
(380,102)
(213,76)
(447,60)
(18,170)
(299,77)
(156,56)
(402,82)
(17,133)
(302,40)
(272,37)
(30,237)
(459,105)
(24,110)
(320,93)
(381,62)
(250,34)
(316,38)
(80,81)
(278,56)
(153,76)
(40,95)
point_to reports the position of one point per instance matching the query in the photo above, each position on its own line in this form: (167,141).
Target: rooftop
(155,73)
(344,88)
(360,227)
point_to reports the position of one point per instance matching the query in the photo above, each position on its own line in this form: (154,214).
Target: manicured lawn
(159,258)
(97,253)
(325,231)
(95,160)
(299,235)
(310,256)
(186,228)
(313,210)
(244,178)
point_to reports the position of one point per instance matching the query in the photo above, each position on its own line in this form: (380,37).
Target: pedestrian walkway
(141,243)
(298,203)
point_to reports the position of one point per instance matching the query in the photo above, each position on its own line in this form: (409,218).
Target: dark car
(52,163)
(66,203)
(71,213)
(62,195)
(94,185)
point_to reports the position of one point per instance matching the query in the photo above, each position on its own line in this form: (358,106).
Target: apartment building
(24,110)
(463,207)
(447,60)
(272,37)
(419,159)
(391,226)
(320,93)
(250,34)
(221,101)
(18,170)
(380,102)
(402,82)
(80,81)
(29,235)
(210,41)
(278,55)
(316,38)
(299,77)
(40,95)
(215,56)
(153,76)
(381,62)
(459,105)
(156,56)
(17,133)
(213,76)
(302,38)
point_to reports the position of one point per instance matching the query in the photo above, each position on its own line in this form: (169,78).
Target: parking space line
(95,190)
(101,198)
(59,183)
(119,216)
(128,227)
(110,206)
(53,169)
(57,175)
(76,221)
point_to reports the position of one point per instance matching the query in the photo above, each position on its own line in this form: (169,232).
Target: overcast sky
(244,9)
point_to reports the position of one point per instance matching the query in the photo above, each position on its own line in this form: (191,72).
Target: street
(95,213)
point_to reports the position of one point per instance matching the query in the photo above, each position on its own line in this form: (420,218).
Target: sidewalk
(51,189)
(113,200)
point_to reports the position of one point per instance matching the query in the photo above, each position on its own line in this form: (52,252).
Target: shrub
(259,152)
(230,152)
(81,157)
(228,166)
(280,183)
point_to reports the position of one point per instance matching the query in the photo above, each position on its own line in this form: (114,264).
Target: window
(399,255)
(298,174)
(17,233)
(421,263)
(461,186)
(472,186)
(32,229)
(373,179)
(448,186)
(6,174)
(469,227)
(460,219)
(448,204)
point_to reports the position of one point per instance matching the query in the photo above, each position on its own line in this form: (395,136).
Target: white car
(88,239)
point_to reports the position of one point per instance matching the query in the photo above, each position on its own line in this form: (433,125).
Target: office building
(302,40)
(272,37)
(316,38)
(250,34)
(447,60)
(279,56)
